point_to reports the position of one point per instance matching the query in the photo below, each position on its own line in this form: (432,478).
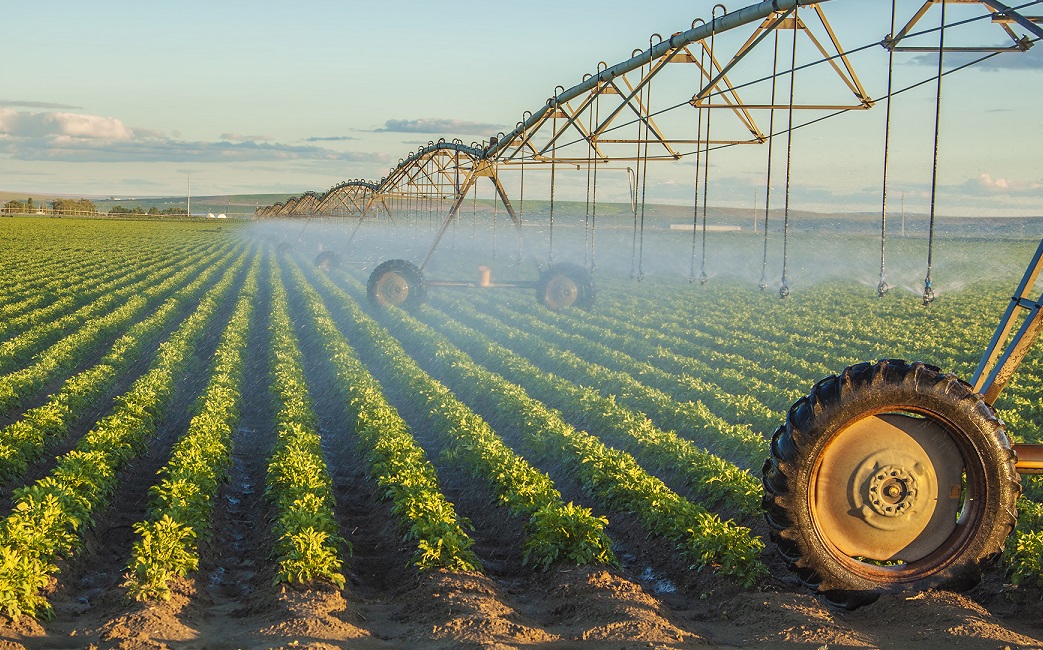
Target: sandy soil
(583,607)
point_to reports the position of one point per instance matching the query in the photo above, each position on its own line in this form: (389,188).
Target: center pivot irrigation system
(888,476)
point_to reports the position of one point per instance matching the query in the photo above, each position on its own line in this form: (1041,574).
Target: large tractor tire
(396,282)
(284,248)
(563,286)
(889,477)
(327,261)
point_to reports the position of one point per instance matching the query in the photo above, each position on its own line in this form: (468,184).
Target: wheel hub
(393,289)
(888,488)
(892,491)
(562,292)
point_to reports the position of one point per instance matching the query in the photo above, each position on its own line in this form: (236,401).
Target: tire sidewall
(408,271)
(579,276)
(894,386)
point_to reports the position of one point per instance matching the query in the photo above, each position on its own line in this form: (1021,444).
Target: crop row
(708,477)
(693,419)
(42,278)
(1028,537)
(34,253)
(837,320)
(63,356)
(611,475)
(181,503)
(728,400)
(23,440)
(715,325)
(396,461)
(1024,550)
(307,544)
(693,353)
(87,288)
(31,302)
(16,351)
(554,531)
(50,516)
(821,332)
(73,288)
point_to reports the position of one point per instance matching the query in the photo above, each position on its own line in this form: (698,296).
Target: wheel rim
(561,292)
(893,488)
(391,289)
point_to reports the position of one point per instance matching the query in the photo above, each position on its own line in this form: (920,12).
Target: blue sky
(128,98)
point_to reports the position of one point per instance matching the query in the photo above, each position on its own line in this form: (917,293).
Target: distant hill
(241,205)
(619,215)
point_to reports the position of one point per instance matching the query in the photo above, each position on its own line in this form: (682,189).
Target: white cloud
(439,126)
(1016,60)
(330,138)
(236,137)
(77,125)
(986,182)
(75,137)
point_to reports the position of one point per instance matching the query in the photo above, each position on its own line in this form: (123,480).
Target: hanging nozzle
(882,288)
(784,289)
(928,292)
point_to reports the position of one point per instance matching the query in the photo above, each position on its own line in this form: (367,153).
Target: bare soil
(588,607)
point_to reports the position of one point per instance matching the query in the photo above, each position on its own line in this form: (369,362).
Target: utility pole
(190,195)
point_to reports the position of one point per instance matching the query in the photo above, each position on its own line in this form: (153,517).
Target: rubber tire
(411,273)
(327,261)
(284,248)
(890,385)
(579,276)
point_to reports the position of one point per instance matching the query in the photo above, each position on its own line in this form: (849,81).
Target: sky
(130,99)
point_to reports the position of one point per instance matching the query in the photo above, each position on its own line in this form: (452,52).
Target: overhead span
(602,118)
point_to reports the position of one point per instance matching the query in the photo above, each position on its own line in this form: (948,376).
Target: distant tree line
(80,207)
(154,211)
(56,207)
(73,206)
(20,207)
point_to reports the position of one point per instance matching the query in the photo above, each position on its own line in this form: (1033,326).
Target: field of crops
(205,441)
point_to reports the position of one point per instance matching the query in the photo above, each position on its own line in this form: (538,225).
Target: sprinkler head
(928,293)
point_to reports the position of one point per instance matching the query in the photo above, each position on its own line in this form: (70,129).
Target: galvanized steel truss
(614,116)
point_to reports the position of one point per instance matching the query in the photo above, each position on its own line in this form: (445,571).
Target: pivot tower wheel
(327,261)
(396,282)
(888,477)
(565,285)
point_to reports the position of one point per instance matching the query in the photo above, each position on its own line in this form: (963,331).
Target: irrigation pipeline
(450,169)
(933,78)
(498,147)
